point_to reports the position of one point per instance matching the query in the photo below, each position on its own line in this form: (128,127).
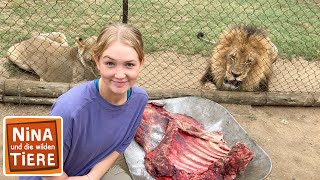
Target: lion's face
(239,63)
(85,53)
(241,60)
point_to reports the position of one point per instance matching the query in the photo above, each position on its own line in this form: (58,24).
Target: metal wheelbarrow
(214,117)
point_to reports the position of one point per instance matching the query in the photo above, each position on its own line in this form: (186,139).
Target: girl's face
(119,68)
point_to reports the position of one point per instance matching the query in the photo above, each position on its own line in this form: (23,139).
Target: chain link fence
(176,59)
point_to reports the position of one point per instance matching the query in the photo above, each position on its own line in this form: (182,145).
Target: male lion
(53,60)
(241,60)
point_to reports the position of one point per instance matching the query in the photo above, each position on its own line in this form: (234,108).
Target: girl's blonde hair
(124,33)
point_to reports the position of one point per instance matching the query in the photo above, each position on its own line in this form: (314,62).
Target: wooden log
(290,99)
(164,94)
(1,88)
(11,87)
(276,99)
(26,88)
(28,100)
(235,97)
(316,99)
(39,92)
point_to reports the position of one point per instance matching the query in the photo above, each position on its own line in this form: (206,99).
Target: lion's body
(53,60)
(241,60)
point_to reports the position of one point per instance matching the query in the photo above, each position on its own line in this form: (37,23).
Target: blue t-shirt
(94,128)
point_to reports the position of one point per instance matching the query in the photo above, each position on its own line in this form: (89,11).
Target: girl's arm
(103,166)
(62,177)
(96,172)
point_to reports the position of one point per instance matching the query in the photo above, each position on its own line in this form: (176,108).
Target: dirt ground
(289,135)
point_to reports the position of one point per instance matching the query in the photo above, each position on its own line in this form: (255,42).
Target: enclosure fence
(39,40)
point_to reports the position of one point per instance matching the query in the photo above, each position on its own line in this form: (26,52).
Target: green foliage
(292,25)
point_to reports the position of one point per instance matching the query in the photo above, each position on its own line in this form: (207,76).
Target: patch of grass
(10,67)
(292,25)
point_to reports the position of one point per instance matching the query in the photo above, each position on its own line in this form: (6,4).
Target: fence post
(125,11)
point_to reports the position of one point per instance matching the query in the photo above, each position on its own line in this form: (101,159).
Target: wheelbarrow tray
(214,117)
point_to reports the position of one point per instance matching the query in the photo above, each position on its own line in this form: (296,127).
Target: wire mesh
(176,58)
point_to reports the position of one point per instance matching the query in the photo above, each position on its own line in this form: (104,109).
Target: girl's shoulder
(139,93)
(139,90)
(78,94)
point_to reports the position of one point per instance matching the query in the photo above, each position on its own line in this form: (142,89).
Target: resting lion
(53,60)
(241,60)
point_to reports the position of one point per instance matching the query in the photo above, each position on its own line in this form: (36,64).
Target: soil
(289,135)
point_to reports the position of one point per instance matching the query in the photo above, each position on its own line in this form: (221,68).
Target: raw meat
(178,147)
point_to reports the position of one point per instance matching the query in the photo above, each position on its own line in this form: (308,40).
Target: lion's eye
(233,58)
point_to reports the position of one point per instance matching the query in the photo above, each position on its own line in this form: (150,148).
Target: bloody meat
(178,147)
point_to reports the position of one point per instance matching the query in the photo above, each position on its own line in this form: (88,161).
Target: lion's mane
(241,60)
